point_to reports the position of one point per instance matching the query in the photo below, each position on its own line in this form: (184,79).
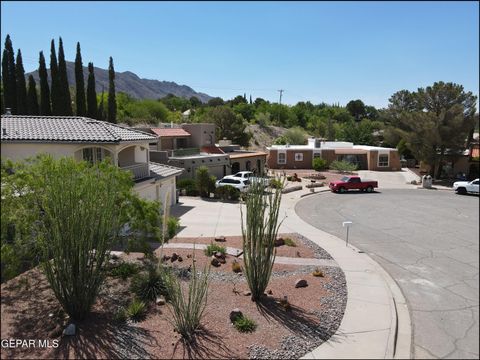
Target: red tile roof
(168,132)
(211,150)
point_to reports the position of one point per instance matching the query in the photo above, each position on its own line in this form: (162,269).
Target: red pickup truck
(352,182)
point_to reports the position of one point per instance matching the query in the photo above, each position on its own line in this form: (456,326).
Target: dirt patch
(32,312)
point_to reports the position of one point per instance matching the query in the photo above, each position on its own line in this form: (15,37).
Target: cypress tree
(112,104)
(64,90)
(32,99)
(21,85)
(8,76)
(101,111)
(79,84)
(91,93)
(45,108)
(250,99)
(56,107)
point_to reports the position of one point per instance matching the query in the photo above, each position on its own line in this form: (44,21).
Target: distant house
(91,140)
(301,156)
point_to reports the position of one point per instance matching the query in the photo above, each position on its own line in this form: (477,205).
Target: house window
(248,166)
(316,155)
(282,158)
(298,156)
(383,160)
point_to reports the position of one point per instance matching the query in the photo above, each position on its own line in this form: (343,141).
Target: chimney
(8,111)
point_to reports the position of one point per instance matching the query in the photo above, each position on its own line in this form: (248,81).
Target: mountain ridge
(130,83)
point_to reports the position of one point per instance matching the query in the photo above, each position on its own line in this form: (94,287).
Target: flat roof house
(91,140)
(364,156)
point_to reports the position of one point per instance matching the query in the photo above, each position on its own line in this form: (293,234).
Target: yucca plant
(259,234)
(187,307)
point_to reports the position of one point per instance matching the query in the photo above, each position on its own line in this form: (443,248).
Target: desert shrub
(125,270)
(148,285)
(187,306)
(227,192)
(244,324)
(120,315)
(189,185)
(236,268)
(343,166)
(213,248)
(275,184)
(204,181)
(317,272)
(138,244)
(259,234)
(136,310)
(289,242)
(319,164)
(173,224)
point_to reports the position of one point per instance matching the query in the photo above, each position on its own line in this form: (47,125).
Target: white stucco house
(91,140)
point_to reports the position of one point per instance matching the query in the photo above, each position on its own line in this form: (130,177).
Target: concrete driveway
(428,240)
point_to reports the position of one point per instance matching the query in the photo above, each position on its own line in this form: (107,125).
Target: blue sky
(317,51)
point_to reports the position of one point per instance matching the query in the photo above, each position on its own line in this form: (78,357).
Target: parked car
(241,185)
(353,182)
(466,187)
(242,175)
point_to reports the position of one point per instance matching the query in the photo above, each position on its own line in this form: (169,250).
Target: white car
(240,175)
(465,187)
(241,185)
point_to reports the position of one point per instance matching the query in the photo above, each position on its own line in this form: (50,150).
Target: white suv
(465,187)
(240,175)
(237,183)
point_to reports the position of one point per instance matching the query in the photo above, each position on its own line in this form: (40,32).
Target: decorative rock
(69,330)
(189,256)
(215,262)
(174,257)
(165,258)
(270,292)
(301,283)
(220,239)
(180,259)
(222,260)
(56,332)
(247,293)
(279,242)
(235,314)
(219,255)
(160,301)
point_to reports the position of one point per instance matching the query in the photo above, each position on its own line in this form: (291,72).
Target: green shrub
(275,184)
(244,324)
(227,192)
(343,166)
(213,248)
(289,242)
(125,270)
(138,244)
(187,307)
(205,182)
(148,286)
(173,224)
(189,185)
(136,310)
(319,164)
(120,315)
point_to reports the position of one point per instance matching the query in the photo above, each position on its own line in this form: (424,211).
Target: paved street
(428,241)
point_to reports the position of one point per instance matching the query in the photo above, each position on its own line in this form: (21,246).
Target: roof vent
(8,111)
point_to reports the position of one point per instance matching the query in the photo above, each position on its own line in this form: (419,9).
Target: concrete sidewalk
(376,322)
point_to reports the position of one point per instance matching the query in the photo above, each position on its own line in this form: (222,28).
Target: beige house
(91,140)
(364,156)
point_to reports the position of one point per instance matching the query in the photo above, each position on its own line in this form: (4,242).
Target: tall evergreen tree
(79,84)
(32,99)
(250,99)
(55,93)
(8,76)
(21,85)
(45,108)
(112,103)
(91,93)
(101,109)
(66,102)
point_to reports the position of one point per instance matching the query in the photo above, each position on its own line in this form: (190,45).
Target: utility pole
(281,92)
